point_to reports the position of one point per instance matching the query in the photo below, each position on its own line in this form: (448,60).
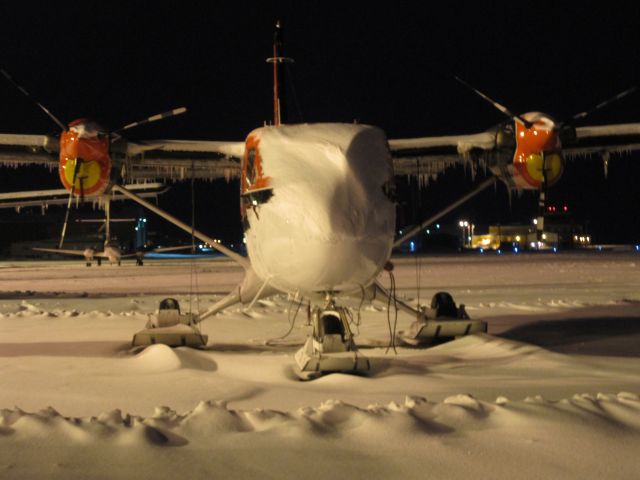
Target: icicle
(605,163)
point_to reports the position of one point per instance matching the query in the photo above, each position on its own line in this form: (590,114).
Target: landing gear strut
(330,347)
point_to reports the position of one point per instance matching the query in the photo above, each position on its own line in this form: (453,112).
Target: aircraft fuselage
(316,206)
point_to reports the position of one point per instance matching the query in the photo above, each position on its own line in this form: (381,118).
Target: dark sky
(389,65)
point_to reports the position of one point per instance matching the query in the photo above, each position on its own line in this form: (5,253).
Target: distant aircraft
(318,212)
(110,252)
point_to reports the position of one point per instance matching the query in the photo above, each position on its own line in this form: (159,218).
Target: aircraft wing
(60,196)
(159,250)
(18,150)
(62,251)
(152,159)
(602,139)
(181,159)
(428,156)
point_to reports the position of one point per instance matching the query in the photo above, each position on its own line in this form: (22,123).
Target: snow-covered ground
(552,391)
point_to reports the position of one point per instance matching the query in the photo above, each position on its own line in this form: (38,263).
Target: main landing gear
(170,327)
(443,321)
(330,348)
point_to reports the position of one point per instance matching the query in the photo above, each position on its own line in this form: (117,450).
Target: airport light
(464,225)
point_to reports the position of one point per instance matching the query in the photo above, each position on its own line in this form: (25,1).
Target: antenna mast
(277,61)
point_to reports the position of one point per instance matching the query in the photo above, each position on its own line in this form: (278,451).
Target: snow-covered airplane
(318,210)
(110,252)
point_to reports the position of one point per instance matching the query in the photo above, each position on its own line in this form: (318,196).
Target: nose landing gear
(331,347)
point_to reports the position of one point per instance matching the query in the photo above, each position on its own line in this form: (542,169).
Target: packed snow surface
(551,391)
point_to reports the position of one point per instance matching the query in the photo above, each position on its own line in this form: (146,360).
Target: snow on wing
(24,150)
(181,159)
(590,140)
(429,156)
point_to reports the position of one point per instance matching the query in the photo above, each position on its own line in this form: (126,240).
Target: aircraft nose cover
(93,175)
(537,147)
(329,225)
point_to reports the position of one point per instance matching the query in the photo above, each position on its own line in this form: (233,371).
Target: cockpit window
(251,171)
(258,197)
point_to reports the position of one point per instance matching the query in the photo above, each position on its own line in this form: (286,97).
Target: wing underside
(429,156)
(24,150)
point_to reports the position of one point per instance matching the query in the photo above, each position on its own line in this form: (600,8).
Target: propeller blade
(66,220)
(82,189)
(497,105)
(542,200)
(28,95)
(76,170)
(153,118)
(609,101)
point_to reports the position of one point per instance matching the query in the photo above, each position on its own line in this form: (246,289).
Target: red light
(565,208)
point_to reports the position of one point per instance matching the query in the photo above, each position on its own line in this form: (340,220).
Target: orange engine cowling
(92,151)
(255,187)
(537,147)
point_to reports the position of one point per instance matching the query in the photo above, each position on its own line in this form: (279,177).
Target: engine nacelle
(87,144)
(527,156)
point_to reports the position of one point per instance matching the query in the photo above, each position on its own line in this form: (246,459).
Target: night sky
(387,65)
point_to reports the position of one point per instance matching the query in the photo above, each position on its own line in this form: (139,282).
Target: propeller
(558,125)
(586,113)
(28,95)
(113,135)
(565,130)
(497,105)
(64,128)
(152,118)
(73,188)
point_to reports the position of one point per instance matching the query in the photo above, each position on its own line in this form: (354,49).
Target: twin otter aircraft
(317,206)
